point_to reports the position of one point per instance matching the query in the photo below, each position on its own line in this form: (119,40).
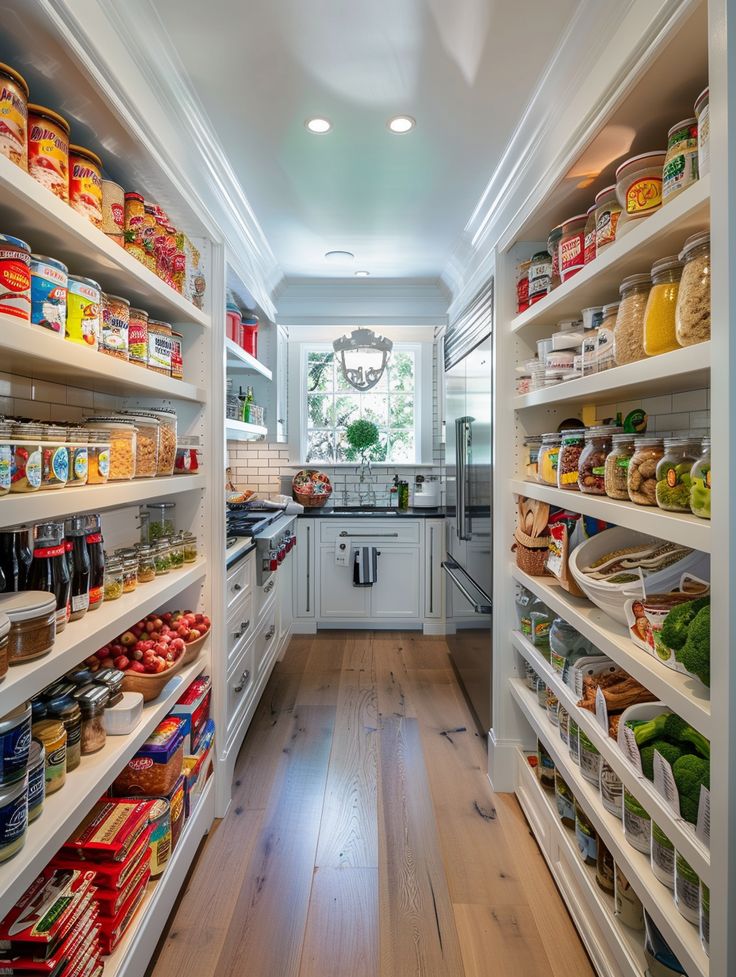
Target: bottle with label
(96,551)
(79,565)
(49,569)
(247,402)
(15,557)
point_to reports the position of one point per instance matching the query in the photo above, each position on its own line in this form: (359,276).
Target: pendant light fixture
(362,357)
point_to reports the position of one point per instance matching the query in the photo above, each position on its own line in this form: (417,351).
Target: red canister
(572,246)
(249,334)
(15,278)
(232,322)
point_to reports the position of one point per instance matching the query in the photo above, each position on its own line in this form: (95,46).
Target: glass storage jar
(604,351)
(161,559)
(190,548)
(176,552)
(147,440)
(146,564)
(692,312)
(92,702)
(592,464)
(571,447)
(628,332)
(700,483)
(65,709)
(130,573)
(32,616)
(122,445)
(77,440)
(98,457)
(162,520)
(6,457)
(54,457)
(616,479)
(642,474)
(51,734)
(660,335)
(25,463)
(549,454)
(168,434)
(113,586)
(673,474)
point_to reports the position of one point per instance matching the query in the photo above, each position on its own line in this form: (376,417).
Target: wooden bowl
(150,686)
(193,648)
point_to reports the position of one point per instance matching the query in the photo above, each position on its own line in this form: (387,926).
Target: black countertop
(358,512)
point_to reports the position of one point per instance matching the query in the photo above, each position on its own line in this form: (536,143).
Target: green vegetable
(670,752)
(700,497)
(690,773)
(634,807)
(677,729)
(695,653)
(649,729)
(675,626)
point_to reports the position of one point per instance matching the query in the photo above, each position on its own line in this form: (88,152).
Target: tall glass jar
(176,552)
(162,520)
(130,573)
(642,474)
(628,333)
(147,440)
(190,548)
(604,353)
(673,474)
(571,447)
(548,458)
(660,334)
(617,467)
(692,312)
(98,449)
(168,435)
(700,483)
(592,464)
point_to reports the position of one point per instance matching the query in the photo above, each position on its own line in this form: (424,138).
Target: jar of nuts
(617,467)
(592,465)
(147,443)
(122,445)
(167,447)
(571,447)
(642,475)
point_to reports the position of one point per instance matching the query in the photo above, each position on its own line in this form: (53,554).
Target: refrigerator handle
(478,601)
(462,427)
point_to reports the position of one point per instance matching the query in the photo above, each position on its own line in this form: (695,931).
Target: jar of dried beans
(692,312)
(592,465)
(628,333)
(571,447)
(617,467)
(642,474)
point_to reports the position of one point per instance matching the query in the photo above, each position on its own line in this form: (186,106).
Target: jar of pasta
(147,442)
(673,474)
(628,332)
(122,436)
(692,312)
(660,335)
(159,347)
(548,458)
(617,467)
(167,447)
(98,449)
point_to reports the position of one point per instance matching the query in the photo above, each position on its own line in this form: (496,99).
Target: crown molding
(379,301)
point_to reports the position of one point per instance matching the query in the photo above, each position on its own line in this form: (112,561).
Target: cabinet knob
(270,633)
(281,420)
(236,586)
(243,681)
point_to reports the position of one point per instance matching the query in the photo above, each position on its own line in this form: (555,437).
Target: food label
(82,314)
(605,228)
(48,296)
(80,602)
(138,341)
(590,760)
(14,124)
(571,252)
(540,279)
(644,195)
(85,189)
(702,828)
(177,362)
(6,457)
(115,329)
(637,830)
(80,464)
(663,861)
(159,351)
(589,246)
(13,822)
(611,790)
(679,172)
(15,282)
(48,156)
(54,465)
(25,464)
(16,744)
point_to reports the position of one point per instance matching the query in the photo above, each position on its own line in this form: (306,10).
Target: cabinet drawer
(238,581)
(240,685)
(266,641)
(369,532)
(265,593)
(240,625)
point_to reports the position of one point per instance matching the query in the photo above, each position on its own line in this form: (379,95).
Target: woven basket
(531,553)
(310,501)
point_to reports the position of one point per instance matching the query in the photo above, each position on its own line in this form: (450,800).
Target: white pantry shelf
(83,638)
(32,351)
(657,899)
(35,506)
(653,237)
(240,431)
(683,694)
(236,358)
(31,212)
(66,808)
(677,829)
(681,369)
(675,527)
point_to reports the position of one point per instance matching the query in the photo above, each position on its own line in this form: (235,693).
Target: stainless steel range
(274,542)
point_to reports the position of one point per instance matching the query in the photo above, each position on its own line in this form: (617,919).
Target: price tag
(627,743)
(601,710)
(664,782)
(702,828)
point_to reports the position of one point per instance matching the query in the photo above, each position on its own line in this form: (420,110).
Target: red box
(194,708)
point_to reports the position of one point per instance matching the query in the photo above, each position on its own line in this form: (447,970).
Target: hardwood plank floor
(364,838)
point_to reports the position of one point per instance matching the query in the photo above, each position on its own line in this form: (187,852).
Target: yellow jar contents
(660,334)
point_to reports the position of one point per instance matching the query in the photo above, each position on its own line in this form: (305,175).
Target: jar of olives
(673,474)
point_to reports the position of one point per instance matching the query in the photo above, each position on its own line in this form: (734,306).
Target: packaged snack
(111,875)
(112,930)
(193,707)
(44,913)
(111,901)
(110,830)
(154,769)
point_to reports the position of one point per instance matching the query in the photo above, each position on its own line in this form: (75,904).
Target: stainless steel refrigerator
(468,567)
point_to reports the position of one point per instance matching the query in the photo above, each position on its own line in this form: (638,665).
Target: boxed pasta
(110,831)
(45,913)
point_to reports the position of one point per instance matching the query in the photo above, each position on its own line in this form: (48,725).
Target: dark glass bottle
(96,551)
(79,565)
(49,569)
(15,558)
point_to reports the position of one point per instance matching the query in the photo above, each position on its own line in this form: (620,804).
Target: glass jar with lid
(548,458)
(6,456)
(162,520)
(617,467)
(692,312)
(65,709)
(592,464)
(161,556)
(25,464)
(146,564)
(92,702)
(98,453)
(168,435)
(122,436)
(147,440)
(571,447)
(700,483)
(604,351)
(130,572)
(176,552)
(113,586)
(673,474)
(77,439)
(660,333)
(190,547)
(642,473)
(188,456)
(54,457)
(32,616)
(628,332)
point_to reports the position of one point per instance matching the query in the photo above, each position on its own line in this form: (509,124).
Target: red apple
(122,662)
(167,617)
(194,634)
(136,667)
(128,638)
(150,627)
(178,645)
(108,663)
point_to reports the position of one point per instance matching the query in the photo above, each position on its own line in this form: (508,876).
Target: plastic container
(122,718)
(32,616)
(702,113)
(660,333)
(611,789)
(571,447)
(566,646)
(662,857)
(249,334)
(123,445)
(188,456)
(673,474)
(592,316)
(681,162)
(607,212)
(700,483)
(36,779)
(147,441)
(692,311)
(592,464)
(25,464)
(540,276)
(628,332)
(586,836)
(168,440)
(642,473)
(15,742)
(98,452)
(617,466)
(52,736)
(158,764)
(159,347)
(589,240)
(572,246)
(639,184)
(637,824)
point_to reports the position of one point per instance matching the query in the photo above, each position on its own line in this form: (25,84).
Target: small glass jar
(660,333)
(700,483)
(592,464)
(605,340)
(548,459)
(65,709)
(32,615)
(692,312)
(571,447)
(52,736)
(92,702)
(188,456)
(122,436)
(78,447)
(642,473)
(113,586)
(161,558)
(628,333)
(6,457)
(130,574)
(176,552)
(146,564)
(673,474)
(189,542)
(54,458)
(617,467)
(162,520)
(98,447)
(25,464)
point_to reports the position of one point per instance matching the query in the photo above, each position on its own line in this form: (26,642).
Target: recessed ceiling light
(362,274)
(401,124)
(318,125)
(339,255)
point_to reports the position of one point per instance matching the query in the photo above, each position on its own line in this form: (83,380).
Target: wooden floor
(363,838)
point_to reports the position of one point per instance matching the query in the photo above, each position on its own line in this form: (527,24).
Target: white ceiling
(464,69)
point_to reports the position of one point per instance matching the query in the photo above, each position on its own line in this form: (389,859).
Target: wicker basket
(531,553)
(310,501)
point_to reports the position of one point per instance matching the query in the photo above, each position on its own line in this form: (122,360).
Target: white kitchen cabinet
(273,352)
(339,599)
(303,576)
(285,604)
(396,593)
(434,548)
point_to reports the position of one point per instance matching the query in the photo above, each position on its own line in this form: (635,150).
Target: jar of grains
(628,333)
(642,474)
(138,337)
(115,324)
(660,335)
(159,347)
(167,447)
(147,443)
(692,312)
(548,458)
(592,465)
(571,447)
(122,436)
(617,466)
(673,474)
(604,352)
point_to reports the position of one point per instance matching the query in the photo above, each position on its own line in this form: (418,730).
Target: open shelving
(236,358)
(240,431)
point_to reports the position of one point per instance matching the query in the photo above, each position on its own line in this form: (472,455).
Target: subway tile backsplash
(679,413)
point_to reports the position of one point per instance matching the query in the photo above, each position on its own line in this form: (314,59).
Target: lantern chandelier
(363,357)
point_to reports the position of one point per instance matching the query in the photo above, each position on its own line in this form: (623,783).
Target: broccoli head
(690,773)
(678,730)
(695,653)
(649,729)
(670,752)
(675,626)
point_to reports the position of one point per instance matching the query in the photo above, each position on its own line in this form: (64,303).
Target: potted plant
(362,437)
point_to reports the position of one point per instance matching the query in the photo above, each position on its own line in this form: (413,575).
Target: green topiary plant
(362,436)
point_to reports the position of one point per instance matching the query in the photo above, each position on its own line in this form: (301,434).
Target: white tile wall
(44,401)
(684,413)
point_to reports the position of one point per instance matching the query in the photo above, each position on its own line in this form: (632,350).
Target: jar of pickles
(161,560)
(628,332)
(78,447)
(162,520)
(6,457)
(571,448)
(673,474)
(146,564)
(98,455)
(617,467)
(592,464)
(25,462)
(642,473)
(700,483)
(113,586)
(548,458)
(176,552)
(660,333)
(190,547)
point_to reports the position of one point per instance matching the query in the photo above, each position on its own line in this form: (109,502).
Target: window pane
(320,371)
(347,409)
(401,371)
(401,412)
(320,446)
(347,454)
(402,447)
(375,408)
(319,410)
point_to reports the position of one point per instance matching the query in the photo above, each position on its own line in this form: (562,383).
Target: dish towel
(365,566)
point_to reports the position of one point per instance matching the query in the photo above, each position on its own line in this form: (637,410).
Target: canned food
(83,312)
(113,208)
(13,116)
(159,347)
(115,322)
(177,360)
(15,277)
(138,337)
(48,150)
(85,183)
(48,293)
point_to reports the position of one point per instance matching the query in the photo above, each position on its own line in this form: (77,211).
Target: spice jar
(660,335)
(146,565)
(159,347)
(616,476)
(98,454)
(25,463)
(607,213)
(78,448)
(138,337)
(52,736)
(700,483)
(65,709)
(6,457)
(161,559)
(167,446)
(92,702)
(75,531)
(162,520)
(592,465)
(147,444)
(113,586)
(49,568)
(547,461)
(540,276)
(589,238)
(115,324)
(190,548)
(628,332)
(642,474)
(123,445)
(673,474)
(572,245)
(571,447)
(96,550)
(681,161)
(130,574)
(32,616)
(692,311)
(36,780)
(177,355)
(553,249)
(522,286)
(54,458)
(188,455)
